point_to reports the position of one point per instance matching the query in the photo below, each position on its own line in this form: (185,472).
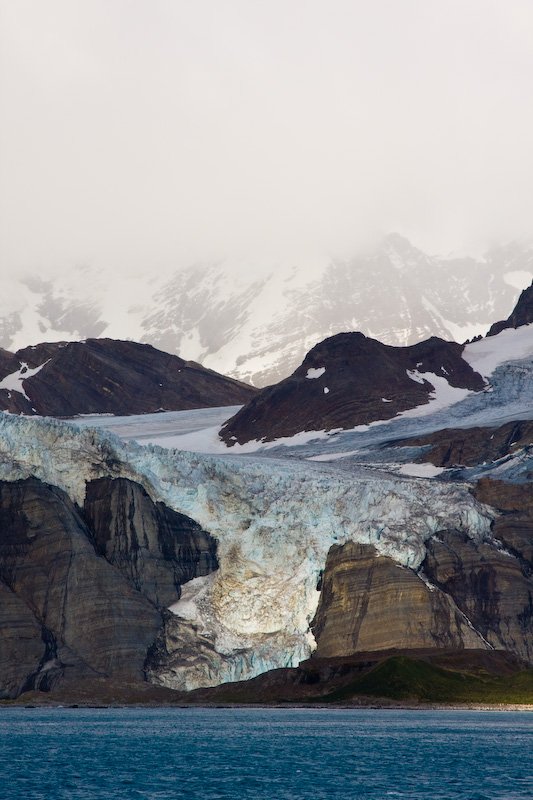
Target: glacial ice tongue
(274,520)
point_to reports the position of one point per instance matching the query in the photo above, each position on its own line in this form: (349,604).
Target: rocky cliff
(466,595)
(155,548)
(368,603)
(75,603)
(100,376)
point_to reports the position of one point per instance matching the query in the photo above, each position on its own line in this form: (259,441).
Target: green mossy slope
(402,678)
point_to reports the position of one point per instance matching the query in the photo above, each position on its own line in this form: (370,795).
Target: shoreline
(370,706)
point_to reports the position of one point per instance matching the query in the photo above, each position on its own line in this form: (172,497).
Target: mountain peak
(522,314)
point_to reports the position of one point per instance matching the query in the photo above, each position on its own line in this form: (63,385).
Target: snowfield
(511,344)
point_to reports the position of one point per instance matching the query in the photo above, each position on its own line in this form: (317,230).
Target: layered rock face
(108,376)
(469,447)
(368,602)
(154,547)
(467,595)
(489,586)
(67,612)
(513,525)
(350,380)
(23,646)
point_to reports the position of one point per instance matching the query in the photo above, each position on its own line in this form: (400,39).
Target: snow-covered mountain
(254,319)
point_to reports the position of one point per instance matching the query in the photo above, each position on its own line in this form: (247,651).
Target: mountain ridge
(108,376)
(255,319)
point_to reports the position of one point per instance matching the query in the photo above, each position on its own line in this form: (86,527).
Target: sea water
(234,753)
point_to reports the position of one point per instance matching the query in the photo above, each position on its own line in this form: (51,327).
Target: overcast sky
(147,133)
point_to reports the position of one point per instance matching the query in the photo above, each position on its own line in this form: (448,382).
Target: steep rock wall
(489,587)
(367,602)
(66,611)
(467,594)
(154,547)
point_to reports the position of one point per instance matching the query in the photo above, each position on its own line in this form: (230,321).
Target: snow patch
(415,375)
(208,441)
(511,344)
(420,470)
(315,373)
(442,396)
(333,456)
(13,382)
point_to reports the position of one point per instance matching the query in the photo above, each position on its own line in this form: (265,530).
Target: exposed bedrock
(155,548)
(369,602)
(109,376)
(522,314)
(22,647)
(348,380)
(66,611)
(467,594)
(98,623)
(513,525)
(468,447)
(488,585)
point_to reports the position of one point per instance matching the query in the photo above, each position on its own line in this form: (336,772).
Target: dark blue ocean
(202,754)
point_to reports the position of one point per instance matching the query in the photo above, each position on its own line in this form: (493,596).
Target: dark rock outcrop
(155,548)
(22,645)
(468,447)
(8,362)
(97,624)
(348,380)
(81,603)
(467,594)
(522,314)
(109,376)
(488,585)
(513,525)
(369,602)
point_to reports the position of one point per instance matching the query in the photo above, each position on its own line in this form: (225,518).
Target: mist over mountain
(254,318)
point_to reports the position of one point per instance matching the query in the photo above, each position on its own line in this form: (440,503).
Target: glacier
(274,518)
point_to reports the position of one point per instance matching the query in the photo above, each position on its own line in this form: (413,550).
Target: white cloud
(145,134)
